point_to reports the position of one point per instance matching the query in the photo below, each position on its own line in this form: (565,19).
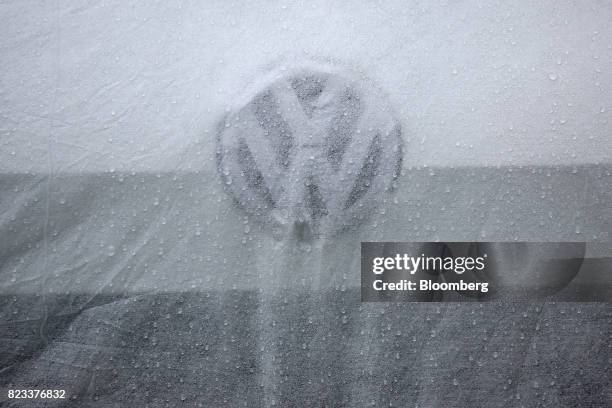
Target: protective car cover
(129,275)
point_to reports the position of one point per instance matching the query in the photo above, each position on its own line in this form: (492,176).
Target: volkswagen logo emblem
(311,148)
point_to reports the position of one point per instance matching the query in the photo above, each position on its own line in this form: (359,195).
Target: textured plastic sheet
(151,289)
(128,276)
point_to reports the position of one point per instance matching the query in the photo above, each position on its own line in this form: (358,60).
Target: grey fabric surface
(150,290)
(242,348)
(130,278)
